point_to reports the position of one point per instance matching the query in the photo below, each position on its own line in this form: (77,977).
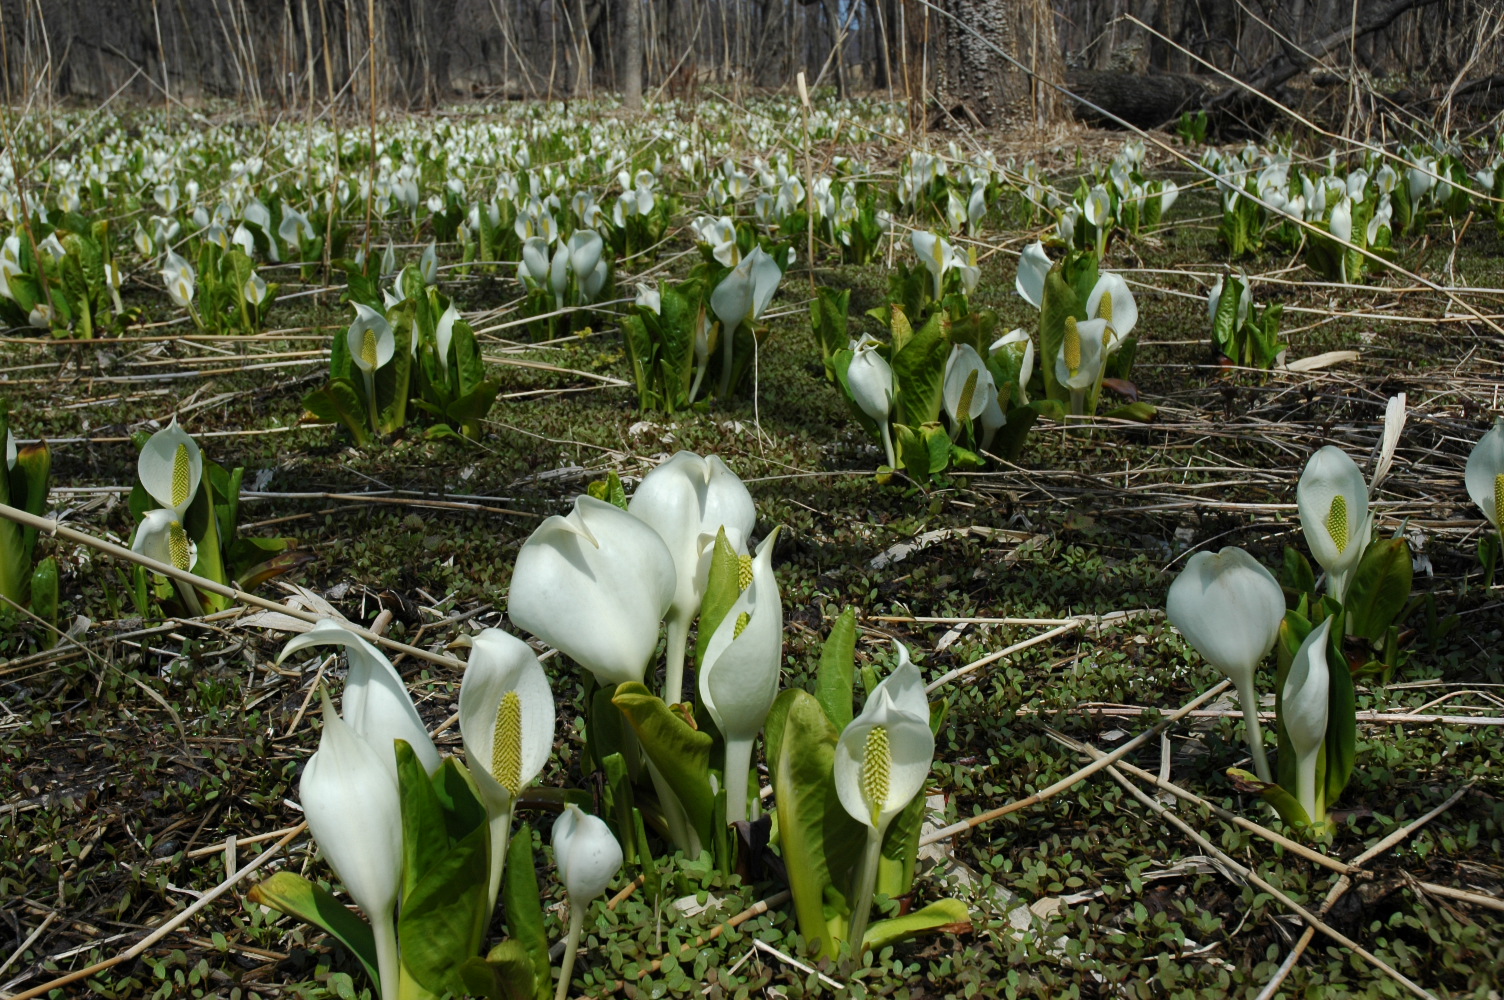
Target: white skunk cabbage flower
(870,379)
(170,468)
(1304,709)
(594,585)
(1333,502)
(507,720)
(1485,475)
(739,677)
(968,385)
(1111,300)
(687,500)
(1033,268)
(1229,608)
(354,811)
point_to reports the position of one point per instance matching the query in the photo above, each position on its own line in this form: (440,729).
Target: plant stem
(862,898)
(684,835)
(1078,402)
(738,764)
(1305,786)
(888,446)
(388,965)
(501,835)
(1248,699)
(370,381)
(571,945)
(728,339)
(673,674)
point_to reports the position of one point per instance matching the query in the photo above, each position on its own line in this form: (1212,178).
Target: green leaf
(297,897)
(820,842)
(442,922)
(523,905)
(828,312)
(1225,321)
(1284,803)
(44,589)
(340,402)
(919,373)
(1059,303)
(475,404)
(680,752)
(1010,438)
(834,679)
(1380,588)
(945,915)
(1296,574)
(1341,749)
(504,974)
(722,588)
(424,836)
(1140,411)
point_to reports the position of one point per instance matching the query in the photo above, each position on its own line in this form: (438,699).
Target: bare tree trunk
(975,84)
(631,81)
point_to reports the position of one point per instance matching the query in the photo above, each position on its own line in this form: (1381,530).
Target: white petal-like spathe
(1018,340)
(154,538)
(1328,474)
(1228,607)
(1093,335)
(963,361)
(501,663)
(905,685)
(354,812)
(1303,704)
(766,277)
(595,585)
(1124,310)
(1033,268)
(1485,467)
(170,468)
(585,248)
(683,500)
(739,678)
(375,704)
(871,381)
(911,749)
(535,259)
(444,333)
(732,299)
(586,854)
(366,319)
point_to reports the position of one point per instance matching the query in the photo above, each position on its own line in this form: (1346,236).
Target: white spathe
(376,704)
(586,854)
(1485,475)
(353,807)
(1333,502)
(595,584)
(504,688)
(1228,606)
(170,468)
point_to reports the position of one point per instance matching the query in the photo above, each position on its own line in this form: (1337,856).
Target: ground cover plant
(761,515)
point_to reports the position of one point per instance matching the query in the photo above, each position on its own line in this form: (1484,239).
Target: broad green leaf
(1140,411)
(680,752)
(1225,321)
(1296,574)
(442,922)
(828,317)
(1380,587)
(339,402)
(919,374)
(1010,438)
(722,588)
(1341,749)
(458,798)
(424,837)
(297,897)
(820,842)
(1059,303)
(834,679)
(945,915)
(505,974)
(1284,803)
(523,906)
